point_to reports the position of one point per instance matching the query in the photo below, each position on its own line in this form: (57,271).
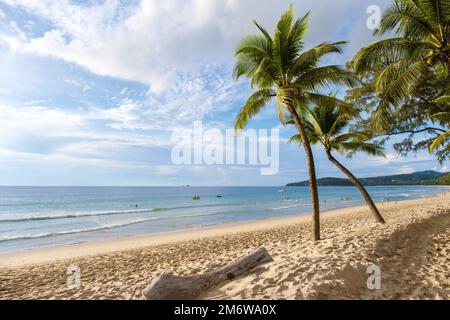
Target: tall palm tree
(326,124)
(278,68)
(421,46)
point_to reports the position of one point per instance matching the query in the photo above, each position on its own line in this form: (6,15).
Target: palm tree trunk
(361,188)
(311,171)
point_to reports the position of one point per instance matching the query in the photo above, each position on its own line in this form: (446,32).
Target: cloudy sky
(91,91)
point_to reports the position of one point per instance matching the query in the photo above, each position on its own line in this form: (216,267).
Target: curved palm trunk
(361,188)
(311,171)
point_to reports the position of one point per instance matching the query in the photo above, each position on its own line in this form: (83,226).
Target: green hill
(428,177)
(445,180)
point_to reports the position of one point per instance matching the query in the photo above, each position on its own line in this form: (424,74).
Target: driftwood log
(170,287)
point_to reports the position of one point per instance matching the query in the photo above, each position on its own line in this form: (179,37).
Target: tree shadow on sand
(407,262)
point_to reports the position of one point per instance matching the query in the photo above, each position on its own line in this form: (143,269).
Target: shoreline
(411,250)
(35,256)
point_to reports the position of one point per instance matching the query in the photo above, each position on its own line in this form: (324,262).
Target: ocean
(33,217)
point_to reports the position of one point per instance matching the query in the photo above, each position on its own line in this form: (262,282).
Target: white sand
(411,250)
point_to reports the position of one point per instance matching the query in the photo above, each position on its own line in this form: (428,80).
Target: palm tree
(326,124)
(421,47)
(279,69)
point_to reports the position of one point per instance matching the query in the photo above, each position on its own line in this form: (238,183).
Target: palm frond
(325,123)
(354,135)
(253,105)
(310,58)
(381,117)
(443,99)
(437,10)
(441,69)
(295,139)
(254,59)
(256,46)
(407,18)
(443,117)
(263,31)
(281,40)
(384,52)
(362,146)
(439,141)
(245,66)
(264,75)
(296,35)
(325,77)
(327,100)
(400,80)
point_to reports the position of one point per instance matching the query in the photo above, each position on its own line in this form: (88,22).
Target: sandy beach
(411,250)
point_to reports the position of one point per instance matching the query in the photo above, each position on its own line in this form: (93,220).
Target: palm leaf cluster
(421,46)
(278,68)
(327,125)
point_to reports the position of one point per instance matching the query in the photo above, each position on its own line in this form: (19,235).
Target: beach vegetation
(280,69)
(404,74)
(327,125)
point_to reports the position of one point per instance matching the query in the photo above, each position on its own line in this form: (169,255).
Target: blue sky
(90,91)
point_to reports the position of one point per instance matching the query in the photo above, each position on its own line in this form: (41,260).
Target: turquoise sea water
(32,217)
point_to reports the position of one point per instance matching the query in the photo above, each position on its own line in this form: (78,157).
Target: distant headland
(428,177)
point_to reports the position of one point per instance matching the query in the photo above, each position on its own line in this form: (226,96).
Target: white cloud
(45,122)
(405,169)
(81,83)
(7,155)
(394,158)
(191,98)
(168,170)
(42,133)
(11,155)
(35,102)
(147,42)
(16,123)
(182,50)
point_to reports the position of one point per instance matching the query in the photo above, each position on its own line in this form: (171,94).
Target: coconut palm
(421,47)
(278,68)
(325,124)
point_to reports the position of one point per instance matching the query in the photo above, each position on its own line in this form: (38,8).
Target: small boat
(218,196)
